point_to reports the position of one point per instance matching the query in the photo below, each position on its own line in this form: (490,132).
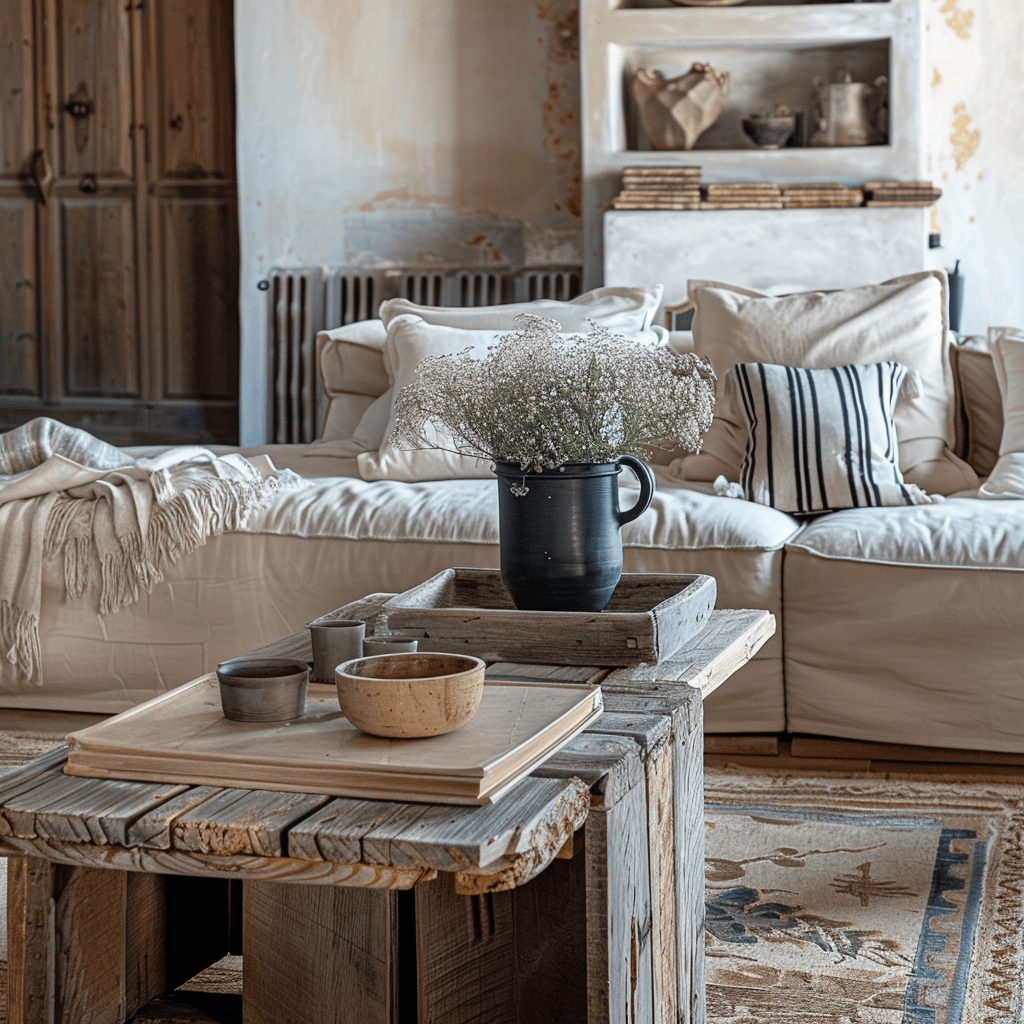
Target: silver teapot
(849,113)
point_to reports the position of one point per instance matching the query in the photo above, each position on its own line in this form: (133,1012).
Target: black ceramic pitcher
(561,549)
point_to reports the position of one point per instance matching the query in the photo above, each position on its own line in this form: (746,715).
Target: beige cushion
(979,403)
(619,309)
(350,364)
(1007,477)
(902,320)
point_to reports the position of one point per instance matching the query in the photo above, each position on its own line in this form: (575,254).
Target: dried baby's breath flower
(543,399)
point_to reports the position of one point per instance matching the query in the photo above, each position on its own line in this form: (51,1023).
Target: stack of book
(743,195)
(901,193)
(659,188)
(818,195)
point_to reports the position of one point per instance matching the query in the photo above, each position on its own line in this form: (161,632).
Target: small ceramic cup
(334,641)
(389,643)
(263,689)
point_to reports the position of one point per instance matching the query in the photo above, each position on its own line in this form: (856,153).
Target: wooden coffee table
(577,896)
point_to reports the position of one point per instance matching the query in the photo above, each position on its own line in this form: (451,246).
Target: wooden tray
(182,736)
(469,611)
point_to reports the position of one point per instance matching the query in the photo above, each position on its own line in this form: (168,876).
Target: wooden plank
(179,862)
(619,923)
(31,955)
(653,733)
(320,956)
(62,808)
(609,765)
(741,744)
(731,638)
(465,954)
(683,705)
(154,829)
(242,822)
(533,820)
(816,746)
(335,832)
(519,672)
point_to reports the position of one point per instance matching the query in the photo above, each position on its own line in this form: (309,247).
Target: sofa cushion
(350,365)
(821,439)
(1007,477)
(923,645)
(902,320)
(958,533)
(979,403)
(619,309)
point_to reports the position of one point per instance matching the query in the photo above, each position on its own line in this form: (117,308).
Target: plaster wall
(975,153)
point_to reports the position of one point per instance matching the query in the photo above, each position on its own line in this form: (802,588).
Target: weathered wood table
(577,897)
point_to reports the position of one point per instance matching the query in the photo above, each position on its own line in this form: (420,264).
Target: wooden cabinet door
(117,198)
(21,356)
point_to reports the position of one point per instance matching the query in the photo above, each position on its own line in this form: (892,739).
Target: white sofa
(899,624)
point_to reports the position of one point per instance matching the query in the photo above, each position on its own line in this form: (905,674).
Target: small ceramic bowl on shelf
(769,132)
(410,695)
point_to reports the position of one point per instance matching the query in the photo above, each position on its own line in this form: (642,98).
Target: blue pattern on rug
(740,914)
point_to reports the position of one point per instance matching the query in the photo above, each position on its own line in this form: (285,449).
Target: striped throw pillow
(821,440)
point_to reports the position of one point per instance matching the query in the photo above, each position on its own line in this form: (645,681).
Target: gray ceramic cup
(389,643)
(334,641)
(263,689)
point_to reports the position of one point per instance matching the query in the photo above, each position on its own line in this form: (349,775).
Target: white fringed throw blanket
(65,493)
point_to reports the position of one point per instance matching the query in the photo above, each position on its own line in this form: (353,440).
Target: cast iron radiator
(305,300)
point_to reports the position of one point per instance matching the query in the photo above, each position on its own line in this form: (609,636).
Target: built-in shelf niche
(761,75)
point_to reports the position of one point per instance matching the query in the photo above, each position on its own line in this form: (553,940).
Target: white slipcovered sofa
(896,623)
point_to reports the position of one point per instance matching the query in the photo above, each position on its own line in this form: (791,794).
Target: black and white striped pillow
(820,440)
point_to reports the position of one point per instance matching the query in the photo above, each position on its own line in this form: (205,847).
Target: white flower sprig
(542,399)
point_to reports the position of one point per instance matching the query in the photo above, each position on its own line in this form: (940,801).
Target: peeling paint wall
(976,152)
(375,132)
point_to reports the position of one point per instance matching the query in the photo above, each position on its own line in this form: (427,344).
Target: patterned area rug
(863,900)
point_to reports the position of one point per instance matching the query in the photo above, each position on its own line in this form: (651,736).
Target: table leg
(321,954)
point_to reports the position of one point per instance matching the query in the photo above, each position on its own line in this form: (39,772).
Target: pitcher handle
(645,476)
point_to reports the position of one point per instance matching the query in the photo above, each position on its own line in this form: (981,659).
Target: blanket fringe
(19,638)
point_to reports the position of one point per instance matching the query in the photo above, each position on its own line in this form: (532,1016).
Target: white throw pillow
(1007,477)
(626,310)
(904,320)
(410,340)
(821,440)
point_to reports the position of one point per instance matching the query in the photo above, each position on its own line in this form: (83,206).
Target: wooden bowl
(404,696)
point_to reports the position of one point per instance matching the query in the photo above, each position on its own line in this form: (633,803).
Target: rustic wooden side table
(578,896)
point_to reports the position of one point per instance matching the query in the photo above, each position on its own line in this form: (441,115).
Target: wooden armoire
(118,218)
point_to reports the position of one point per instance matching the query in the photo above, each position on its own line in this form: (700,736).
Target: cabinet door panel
(94,51)
(100,317)
(195,109)
(20,366)
(19,340)
(200,300)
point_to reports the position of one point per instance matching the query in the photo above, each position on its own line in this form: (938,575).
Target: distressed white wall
(384,131)
(976,152)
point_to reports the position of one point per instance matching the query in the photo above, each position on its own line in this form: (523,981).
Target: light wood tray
(183,737)
(469,611)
